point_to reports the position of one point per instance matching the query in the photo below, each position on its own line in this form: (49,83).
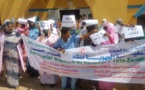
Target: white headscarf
(32,19)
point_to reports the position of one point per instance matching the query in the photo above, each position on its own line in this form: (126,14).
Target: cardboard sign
(45,25)
(99,37)
(132,32)
(68,21)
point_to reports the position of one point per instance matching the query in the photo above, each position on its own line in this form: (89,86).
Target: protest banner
(123,62)
(132,32)
(68,21)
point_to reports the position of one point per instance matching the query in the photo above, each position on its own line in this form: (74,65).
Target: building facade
(109,9)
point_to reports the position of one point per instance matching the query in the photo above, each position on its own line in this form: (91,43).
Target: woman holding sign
(109,36)
(112,38)
(48,39)
(140,21)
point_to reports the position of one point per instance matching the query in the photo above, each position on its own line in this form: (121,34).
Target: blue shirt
(73,32)
(67,45)
(33,33)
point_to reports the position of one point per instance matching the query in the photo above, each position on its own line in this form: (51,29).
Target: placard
(68,21)
(45,25)
(132,32)
(99,37)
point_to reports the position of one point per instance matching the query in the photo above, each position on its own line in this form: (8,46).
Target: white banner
(122,62)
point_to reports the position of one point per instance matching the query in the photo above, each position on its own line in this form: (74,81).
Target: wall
(109,9)
(41,7)
(13,8)
(54,13)
(133,7)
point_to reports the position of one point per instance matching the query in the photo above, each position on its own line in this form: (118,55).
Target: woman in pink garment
(48,38)
(113,38)
(23,28)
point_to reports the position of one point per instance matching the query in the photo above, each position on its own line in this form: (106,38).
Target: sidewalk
(27,83)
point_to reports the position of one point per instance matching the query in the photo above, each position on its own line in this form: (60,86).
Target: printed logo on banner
(82,51)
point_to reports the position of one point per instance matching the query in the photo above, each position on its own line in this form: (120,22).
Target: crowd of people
(49,33)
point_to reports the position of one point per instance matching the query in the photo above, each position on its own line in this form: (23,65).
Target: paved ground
(27,83)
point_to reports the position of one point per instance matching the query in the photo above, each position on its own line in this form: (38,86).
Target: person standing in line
(90,16)
(23,26)
(140,21)
(48,38)
(104,21)
(11,54)
(84,17)
(80,20)
(119,29)
(109,31)
(34,33)
(112,38)
(67,41)
(87,27)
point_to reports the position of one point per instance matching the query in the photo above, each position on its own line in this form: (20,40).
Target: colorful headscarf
(113,35)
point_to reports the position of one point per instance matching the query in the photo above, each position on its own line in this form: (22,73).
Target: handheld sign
(68,21)
(132,32)
(99,37)
(45,25)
